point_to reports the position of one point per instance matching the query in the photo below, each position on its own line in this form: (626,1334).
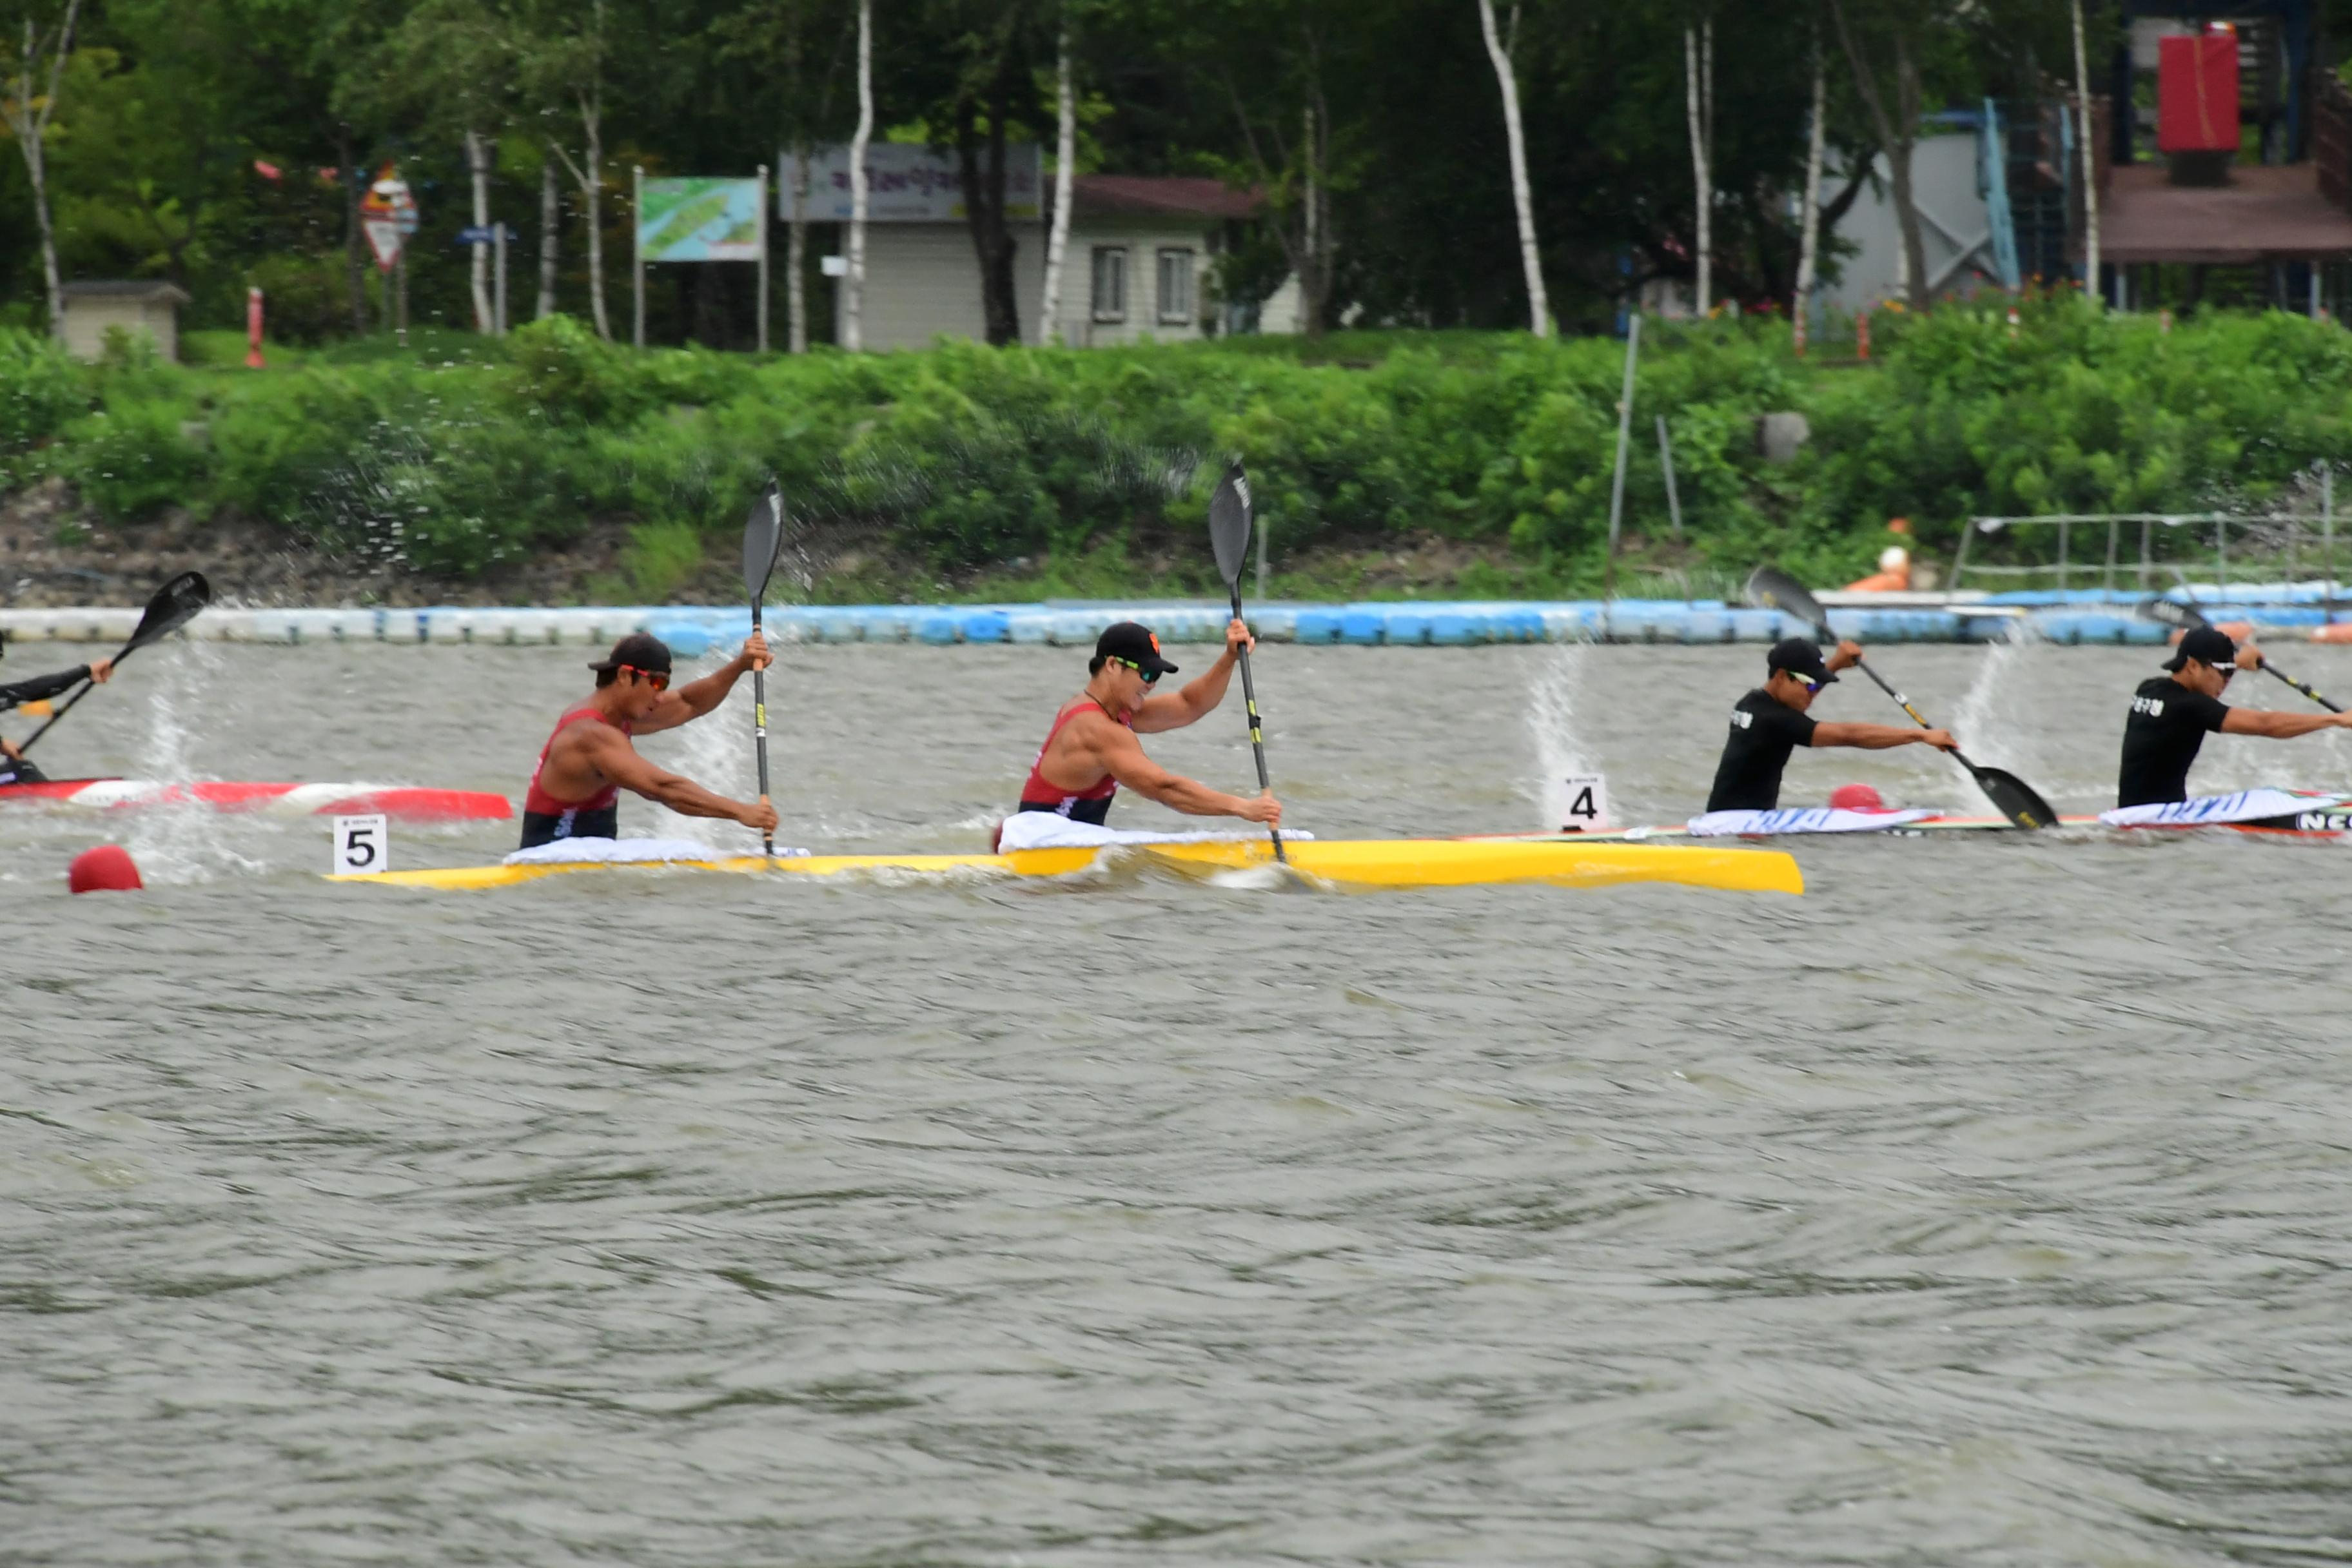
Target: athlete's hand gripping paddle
(2189,618)
(175,604)
(2017,800)
(1229,533)
(763,535)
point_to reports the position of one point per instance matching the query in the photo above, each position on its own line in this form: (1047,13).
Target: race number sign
(1587,810)
(361,845)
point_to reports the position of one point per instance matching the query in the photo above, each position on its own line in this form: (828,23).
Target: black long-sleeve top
(41,686)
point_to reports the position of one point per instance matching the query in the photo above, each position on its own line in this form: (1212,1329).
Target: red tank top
(537,798)
(1037,791)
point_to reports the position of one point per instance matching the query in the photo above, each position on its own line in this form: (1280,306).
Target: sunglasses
(656,679)
(1150,677)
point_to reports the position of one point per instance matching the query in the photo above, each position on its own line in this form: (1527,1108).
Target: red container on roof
(2197,92)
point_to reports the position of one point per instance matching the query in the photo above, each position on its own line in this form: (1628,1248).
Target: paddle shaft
(2299,686)
(2196,617)
(1917,716)
(1904,703)
(1258,729)
(79,692)
(178,602)
(760,734)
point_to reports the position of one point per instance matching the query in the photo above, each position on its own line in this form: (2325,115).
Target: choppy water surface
(1988,1204)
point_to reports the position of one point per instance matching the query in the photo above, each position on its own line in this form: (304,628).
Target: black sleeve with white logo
(2166,726)
(1764,730)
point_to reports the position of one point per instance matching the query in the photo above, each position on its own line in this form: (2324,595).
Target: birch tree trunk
(852,283)
(2090,168)
(1522,197)
(796,255)
(551,227)
(1066,154)
(592,190)
(1311,289)
(477,167)
(31,127)
(1809,236)
(1702,296)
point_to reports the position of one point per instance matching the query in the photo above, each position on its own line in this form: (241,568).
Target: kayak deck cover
(1366,863)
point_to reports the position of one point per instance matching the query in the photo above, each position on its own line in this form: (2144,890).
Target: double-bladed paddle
(2190,618)
(2017,799)
(1229,533)
(763,535)
(175,604)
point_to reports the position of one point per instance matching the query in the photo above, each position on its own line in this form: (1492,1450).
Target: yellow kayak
(1366,863)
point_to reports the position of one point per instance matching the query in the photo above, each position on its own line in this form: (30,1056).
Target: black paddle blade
(2015,797)
(175,604)
(1771,588)
(1229,524)
(2173,614)
(763,534)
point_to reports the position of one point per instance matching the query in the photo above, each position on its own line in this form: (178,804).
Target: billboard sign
(906,183)
(699,220)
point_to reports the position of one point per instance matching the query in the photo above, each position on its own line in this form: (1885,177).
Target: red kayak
(280,799)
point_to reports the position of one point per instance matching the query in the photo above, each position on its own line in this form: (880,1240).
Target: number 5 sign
(361,845)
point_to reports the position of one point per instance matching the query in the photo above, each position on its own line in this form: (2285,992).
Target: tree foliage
(1370,125)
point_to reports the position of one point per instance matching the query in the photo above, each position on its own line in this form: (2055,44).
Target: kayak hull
(1374,863)
(399,803)
(2331,822)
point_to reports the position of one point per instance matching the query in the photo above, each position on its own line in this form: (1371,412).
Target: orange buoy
(108,869)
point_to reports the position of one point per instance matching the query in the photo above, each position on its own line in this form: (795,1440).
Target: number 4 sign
(361,845)
(1588,803)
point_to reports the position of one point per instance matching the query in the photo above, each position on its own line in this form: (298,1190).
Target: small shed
(146,305)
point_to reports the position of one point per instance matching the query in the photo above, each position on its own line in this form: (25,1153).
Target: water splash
(1991,721)
(716,751)
(1551,725)
(188,844)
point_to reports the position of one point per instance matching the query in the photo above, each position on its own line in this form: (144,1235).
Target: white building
(146,306)
(1136,267)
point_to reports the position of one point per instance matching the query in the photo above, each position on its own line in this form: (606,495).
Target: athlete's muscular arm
(1202,693)
(696,698)
(2280,726)
(1881,737)
(609,753)
(1113,749)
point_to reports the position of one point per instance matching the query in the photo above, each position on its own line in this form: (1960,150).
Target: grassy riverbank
(1384,463)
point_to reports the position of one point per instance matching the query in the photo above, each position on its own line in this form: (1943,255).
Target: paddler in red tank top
(1092,747)
(576,791)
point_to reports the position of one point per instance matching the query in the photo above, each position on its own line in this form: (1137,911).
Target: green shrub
(40,391)
(965,459)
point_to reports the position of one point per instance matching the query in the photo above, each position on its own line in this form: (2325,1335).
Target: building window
(1110,283)
(1176,286)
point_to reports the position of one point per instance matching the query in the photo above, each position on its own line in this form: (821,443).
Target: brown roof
(2266,213)
(1158,196)
(125,288)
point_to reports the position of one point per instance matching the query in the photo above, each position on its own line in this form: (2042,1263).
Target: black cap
(638,650)
(2206,645)
(1128,640)
(1799,656)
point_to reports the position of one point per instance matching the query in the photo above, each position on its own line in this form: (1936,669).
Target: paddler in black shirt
(1771,721)
(2172,714)
(15,768)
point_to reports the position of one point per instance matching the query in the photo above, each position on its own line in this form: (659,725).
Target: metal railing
(2277,538)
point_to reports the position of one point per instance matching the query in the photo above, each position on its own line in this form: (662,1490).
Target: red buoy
(108,869)
(1856,797)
